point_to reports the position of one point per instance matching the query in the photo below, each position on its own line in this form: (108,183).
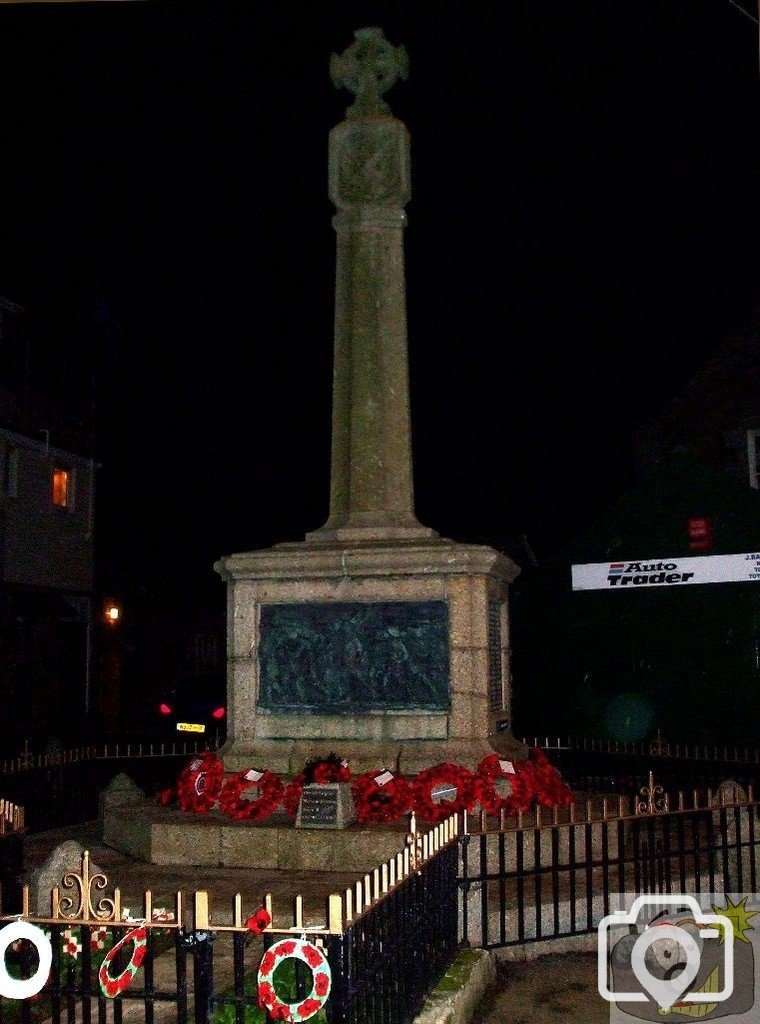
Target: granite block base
(158,835)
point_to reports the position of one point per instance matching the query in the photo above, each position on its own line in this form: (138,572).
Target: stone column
(371,489)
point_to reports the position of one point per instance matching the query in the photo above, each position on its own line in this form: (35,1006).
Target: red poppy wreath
(200,783)
(503,785)
(442,790)
(251,795)
(380,797)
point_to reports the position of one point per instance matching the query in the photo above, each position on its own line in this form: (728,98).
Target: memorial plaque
(326,805)
(352,656)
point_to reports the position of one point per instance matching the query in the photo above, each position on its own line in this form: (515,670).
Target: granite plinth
(472,580)
(159,835)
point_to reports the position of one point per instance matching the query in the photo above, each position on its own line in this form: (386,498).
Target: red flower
(321,984)
(327,769)
(267,995)
(259,921)
(280,1012)
(312,956)
(291,798)
(309,1007)
(284,948)
(268,962)
(122,983)
(551,790)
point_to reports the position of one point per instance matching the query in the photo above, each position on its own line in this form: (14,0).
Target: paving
(134,878)
(554,987)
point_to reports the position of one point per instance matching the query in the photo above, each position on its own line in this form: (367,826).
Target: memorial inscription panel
(319,807)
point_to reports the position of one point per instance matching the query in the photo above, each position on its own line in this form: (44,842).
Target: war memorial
(373,637)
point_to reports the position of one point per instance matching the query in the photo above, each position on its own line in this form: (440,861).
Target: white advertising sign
(666,572)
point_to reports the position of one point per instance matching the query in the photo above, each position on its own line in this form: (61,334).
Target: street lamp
(112,613)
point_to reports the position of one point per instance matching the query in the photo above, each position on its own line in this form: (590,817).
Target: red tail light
(164,709)
(218,713)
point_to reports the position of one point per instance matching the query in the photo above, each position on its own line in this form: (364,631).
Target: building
(47,551)
(716,417)
(623,662)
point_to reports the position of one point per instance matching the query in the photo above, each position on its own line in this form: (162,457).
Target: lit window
(753,457)
(61,487)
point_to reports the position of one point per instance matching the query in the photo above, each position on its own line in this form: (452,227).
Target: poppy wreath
(270,790)
(378,802)
(200,783)
(328,769)
(490,771)
(112,987)
(550,789)
(301,1010)
(425,784)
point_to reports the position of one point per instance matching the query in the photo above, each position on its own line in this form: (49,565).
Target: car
(196,708)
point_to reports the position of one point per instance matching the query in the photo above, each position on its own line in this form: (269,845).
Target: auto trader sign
(666,572)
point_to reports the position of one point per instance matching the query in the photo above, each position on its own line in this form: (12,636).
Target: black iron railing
(554,878)
(387,941)
(64,789)
(619,767)
(386,962)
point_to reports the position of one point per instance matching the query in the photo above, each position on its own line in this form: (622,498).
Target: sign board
(666,572)
(326,805)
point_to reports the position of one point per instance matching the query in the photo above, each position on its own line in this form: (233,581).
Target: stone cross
(371,490)
(369,67)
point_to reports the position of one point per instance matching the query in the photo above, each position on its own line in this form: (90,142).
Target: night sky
(584,231)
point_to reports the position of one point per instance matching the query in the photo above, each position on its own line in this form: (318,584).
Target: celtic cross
(368,68)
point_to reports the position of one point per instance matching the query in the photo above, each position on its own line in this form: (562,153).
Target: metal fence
(11,850)
(387,939)
(620,767)
(552,875)
(63,789)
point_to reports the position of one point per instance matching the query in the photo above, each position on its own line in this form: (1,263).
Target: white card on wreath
(196,765)
(507,767)
(383,778)
(253,775)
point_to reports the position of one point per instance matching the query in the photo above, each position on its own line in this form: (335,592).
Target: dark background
(583,233)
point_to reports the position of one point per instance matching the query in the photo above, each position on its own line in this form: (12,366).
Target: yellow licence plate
(190,727)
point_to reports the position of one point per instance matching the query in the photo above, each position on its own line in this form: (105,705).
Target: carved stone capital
(369,164)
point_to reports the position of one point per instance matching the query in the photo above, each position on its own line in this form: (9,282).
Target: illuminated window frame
(753,457)
(62,487)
